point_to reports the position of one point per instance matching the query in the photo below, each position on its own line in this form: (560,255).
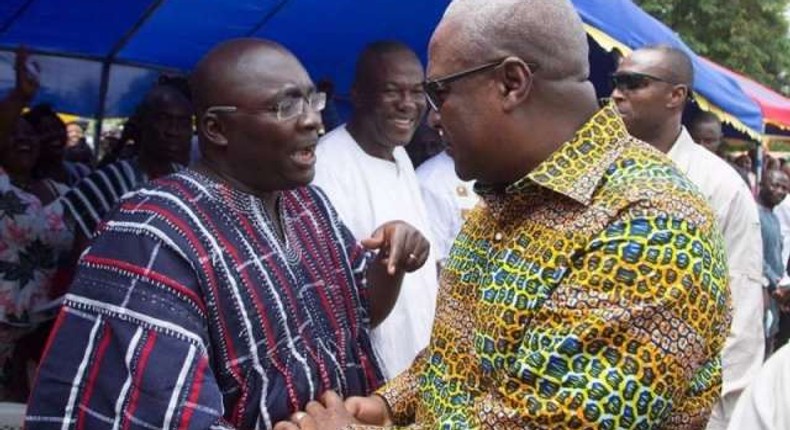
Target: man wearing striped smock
(228,295)
(165,133)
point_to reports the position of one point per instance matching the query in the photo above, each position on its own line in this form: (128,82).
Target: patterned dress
(592,293)
(189,312)
(32,241)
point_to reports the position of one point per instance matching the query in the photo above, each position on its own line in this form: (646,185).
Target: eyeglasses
(629,81)
(436,89)
(286,109)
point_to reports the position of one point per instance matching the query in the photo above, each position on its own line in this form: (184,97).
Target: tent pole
(106,64)
(103,86)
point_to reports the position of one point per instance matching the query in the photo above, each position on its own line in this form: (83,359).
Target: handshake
(333,413)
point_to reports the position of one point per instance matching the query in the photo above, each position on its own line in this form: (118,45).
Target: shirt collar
(682,151)
(576,168)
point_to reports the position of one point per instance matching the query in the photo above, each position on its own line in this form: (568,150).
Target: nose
(617,95)
(434,120)
(407,100)
(172,128)
(311,119)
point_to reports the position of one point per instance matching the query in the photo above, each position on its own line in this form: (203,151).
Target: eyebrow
(400,84)
(295,91)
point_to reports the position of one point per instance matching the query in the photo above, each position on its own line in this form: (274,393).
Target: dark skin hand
(371,410)
(26,87)
(26,83)
(401,249)
(332,413)
(328,414)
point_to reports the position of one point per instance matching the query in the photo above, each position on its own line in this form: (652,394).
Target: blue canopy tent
(98,57)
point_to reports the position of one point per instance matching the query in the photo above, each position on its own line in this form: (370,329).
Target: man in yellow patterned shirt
(589,288)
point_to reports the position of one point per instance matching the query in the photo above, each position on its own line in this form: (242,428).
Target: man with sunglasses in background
(651,88)
(369,178)
(588,289)
(228,295)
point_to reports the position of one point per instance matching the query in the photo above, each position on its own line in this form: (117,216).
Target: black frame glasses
(433,88)
(629,81)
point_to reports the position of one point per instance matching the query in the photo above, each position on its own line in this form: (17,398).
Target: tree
(749,36)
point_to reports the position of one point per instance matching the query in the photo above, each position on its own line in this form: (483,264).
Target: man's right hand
(371,410)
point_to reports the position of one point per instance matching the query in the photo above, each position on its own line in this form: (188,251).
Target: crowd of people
(483,244)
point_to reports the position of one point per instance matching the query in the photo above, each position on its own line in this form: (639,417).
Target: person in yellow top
(589,289)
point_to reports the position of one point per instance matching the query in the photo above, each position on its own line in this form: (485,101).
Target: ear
(515,83)
(678,96)
(213,129)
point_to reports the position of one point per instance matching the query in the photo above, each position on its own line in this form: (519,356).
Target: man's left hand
(401,246)
(329,414)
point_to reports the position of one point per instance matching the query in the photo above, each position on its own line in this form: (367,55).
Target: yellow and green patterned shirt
(592,293)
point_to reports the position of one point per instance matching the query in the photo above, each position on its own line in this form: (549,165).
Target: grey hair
(548,32)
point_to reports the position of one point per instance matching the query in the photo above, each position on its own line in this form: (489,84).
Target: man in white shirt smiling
(369,178)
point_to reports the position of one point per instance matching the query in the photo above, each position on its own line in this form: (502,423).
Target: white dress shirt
(764,404)
(447,199)
(782,211)
(736,214)
(367,192)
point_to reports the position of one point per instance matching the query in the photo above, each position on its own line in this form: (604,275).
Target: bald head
(773,188)
(675,65)
(372,57)
(165,126)
(387,96)
(549,33)
(264,128)
(161,95)
(231,68)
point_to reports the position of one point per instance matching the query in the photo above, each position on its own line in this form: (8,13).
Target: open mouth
(305,156)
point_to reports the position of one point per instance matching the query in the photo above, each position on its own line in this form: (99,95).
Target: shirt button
(498,236)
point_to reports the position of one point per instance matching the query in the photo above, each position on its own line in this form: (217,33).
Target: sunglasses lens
(629,81)
(431,93)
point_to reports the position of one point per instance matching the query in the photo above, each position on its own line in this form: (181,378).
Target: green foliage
(749,36)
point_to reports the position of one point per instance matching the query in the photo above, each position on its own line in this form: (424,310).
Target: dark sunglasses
(436,89)
(633,81)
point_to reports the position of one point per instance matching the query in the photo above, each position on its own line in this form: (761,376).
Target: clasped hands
(331,412)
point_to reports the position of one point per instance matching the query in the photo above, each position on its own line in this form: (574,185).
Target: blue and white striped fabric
(93,197)
(188,311)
